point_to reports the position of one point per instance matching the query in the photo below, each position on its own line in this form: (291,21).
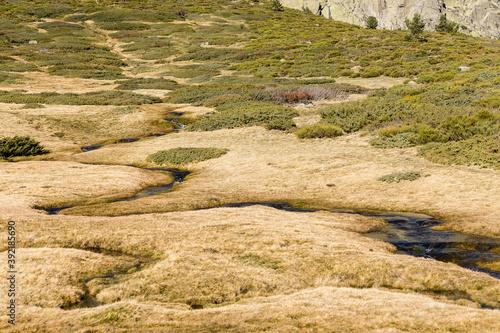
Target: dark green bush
(20,146)
(179,156)
(463,127)
(371,22)
(123,25)
(319,131)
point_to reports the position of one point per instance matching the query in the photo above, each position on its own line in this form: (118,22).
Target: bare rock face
(479,17)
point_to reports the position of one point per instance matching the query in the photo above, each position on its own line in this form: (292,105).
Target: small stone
(331,185)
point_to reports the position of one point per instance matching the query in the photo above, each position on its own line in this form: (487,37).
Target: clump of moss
(20,146)
(397,177)
(33,106)
(179,156)
(319,131)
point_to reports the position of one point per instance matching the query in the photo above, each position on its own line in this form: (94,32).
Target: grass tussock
(180,156)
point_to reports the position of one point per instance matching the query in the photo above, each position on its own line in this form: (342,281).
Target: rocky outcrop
(478,17)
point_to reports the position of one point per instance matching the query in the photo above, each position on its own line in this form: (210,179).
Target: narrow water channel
(411,233)
(178,175)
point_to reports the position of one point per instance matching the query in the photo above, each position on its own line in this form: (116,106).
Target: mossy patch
(399,176)
(179,156)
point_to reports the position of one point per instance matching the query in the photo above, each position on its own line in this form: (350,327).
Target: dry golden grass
(251,269)
(53,278)
(330,173)
(220,256)
(12,124)
(42,82)
(25,184)
(65,128)
(324,309)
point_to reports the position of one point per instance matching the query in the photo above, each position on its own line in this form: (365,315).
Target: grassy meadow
(279,106)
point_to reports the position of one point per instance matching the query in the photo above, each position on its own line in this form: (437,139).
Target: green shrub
(276,6)
(403,140)
(20,146)
(397,177)
(281,125)
(319,131)
(49,10)
(371,22)
(416,25)
(446,26)
(91,98)
(463,127)
(243,114)
(9,78)
(147,83)
(179,156)
(478,150)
